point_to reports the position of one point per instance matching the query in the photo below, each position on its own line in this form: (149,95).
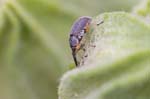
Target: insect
(79,28)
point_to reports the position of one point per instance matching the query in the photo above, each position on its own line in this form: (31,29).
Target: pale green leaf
(118,67)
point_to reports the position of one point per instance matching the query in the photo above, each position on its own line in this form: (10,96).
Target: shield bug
(79,28)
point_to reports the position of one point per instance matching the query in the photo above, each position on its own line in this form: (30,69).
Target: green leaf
(118,67)
(31,59)
(143,9)
(34,49)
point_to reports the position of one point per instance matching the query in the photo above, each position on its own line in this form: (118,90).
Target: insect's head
(74,41)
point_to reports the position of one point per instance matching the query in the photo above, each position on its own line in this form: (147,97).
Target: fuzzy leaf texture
(34,49)
(119,65)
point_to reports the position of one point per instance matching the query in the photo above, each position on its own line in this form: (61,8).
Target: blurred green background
(34,49)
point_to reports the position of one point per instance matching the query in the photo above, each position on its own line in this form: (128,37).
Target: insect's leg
(75,59)
(82,47)
(87,27)
(79,46)
(93,46)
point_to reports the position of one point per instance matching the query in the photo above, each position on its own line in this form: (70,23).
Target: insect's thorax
(76,38)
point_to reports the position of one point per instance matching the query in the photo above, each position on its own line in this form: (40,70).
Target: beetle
(78,30)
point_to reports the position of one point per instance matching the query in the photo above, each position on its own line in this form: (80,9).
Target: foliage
(34,49)
(119,65)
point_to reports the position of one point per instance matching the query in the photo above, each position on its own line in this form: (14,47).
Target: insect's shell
(78,29)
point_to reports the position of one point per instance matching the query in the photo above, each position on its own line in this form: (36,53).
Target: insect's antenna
(74,57)
(100,22)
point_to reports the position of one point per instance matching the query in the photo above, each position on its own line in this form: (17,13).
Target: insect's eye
(73,41)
